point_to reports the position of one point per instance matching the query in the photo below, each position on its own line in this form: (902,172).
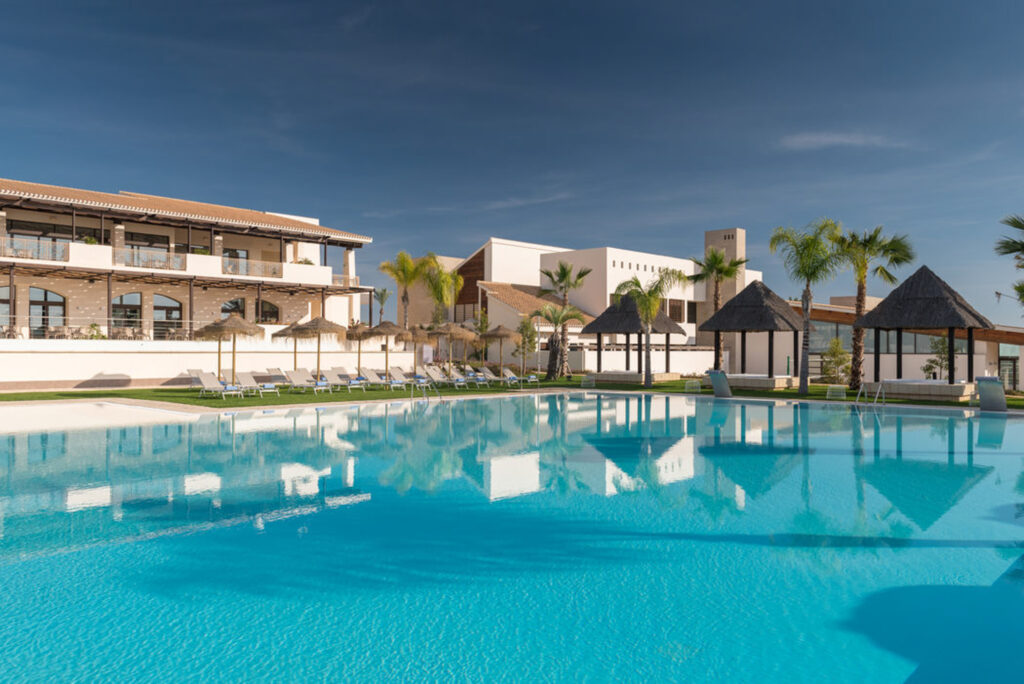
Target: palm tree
(559,317)
(1014,247)
(648,304)
(859,251)
(563,281)
(810,257)
(715,267)
(382,295)
(444,287)
(406,272)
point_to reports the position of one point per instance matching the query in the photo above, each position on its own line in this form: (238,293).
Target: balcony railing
(149,258)
(33,248)
(342,280)
(249,267)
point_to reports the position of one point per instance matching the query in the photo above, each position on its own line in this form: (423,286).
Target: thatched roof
(755,308)
(500,332)
(287,331)
(389,329)
(926,302)
(454,331)
(623,317)
(319,326)
(226,328)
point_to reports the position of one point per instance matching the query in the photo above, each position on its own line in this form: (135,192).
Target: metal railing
(149,258)
(251,267)
(33,248)
(345,280)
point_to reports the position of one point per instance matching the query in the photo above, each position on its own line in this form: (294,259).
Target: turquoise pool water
(535,538)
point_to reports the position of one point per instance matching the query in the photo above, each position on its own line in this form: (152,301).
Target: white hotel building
(104,289)
(503,277)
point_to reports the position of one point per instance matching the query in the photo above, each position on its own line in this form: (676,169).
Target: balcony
(249,267)
(345,280)
(33,248)
(149,258)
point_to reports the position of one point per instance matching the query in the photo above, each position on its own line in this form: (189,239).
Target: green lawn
(190,396)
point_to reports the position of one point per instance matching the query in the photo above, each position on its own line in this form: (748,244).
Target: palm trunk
(648,376)
(805,343)
(717,302)
(405,308)
(563,348)
(857,363)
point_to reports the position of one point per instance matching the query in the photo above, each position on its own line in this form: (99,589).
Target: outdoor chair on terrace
(489,374)
(194,374)
(439,378)
(373,379)
(475,378)
(248,383)
(338,378)
(397,374)
(991,394)
(511,378)
(302,379)
(277,376)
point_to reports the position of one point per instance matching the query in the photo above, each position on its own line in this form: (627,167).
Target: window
(126,311)
(147,241)
(675,310)
(691,312)
(49,232)
(5,306)
(45,310)
(233,306)
(269,313)
(166,316)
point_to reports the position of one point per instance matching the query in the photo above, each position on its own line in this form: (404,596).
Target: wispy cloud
(810,141)
(493,205)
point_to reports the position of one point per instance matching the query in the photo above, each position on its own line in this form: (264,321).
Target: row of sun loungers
(340,378)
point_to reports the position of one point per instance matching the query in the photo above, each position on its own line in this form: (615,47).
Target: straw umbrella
(288,332)
(387,329)
(359,332)
(318,327)
(232,326)
(418,335)
(501,333)
(452,331)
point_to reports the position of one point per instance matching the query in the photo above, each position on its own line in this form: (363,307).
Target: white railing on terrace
(149,258)
(345,280)
(33,248)
(251,267)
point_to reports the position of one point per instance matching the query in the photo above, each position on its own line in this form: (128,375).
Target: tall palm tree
(381,295)
(444,286)
(648,301)
(559,317)
(1008,246)
(563,281)
(810,257)
(716,268)
(859,251)
(406,272)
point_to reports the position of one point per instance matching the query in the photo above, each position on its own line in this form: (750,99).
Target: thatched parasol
(501,333)
(359,332)
(232,326)
(288,332)
(387,329)
(452,331)
(318,327)
(418,335)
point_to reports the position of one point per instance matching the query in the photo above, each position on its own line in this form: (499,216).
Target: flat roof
(145,206)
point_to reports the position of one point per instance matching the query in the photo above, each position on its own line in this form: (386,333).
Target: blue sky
(638,125)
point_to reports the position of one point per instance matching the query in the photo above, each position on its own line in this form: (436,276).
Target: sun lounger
(248,383)
(991,394)
(488,374)
(209,384)
(194,375)
(512,378)
(720,383)
(374,379)
(476,379)
(474,376)
(439,378)
(277,376)
(338,379)
(302,379)
(397,374)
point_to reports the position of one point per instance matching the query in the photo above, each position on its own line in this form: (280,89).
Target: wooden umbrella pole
(501,355)
(318,357)
(220,373)
(295,353)
(359,356)
(387,356)
(449,356)
(234,358)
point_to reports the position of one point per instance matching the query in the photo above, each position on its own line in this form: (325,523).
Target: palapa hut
(501,333)
(924,302)
(622,318)
(756,309)
(229,327)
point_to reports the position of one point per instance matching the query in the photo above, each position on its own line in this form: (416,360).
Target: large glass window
(46,310)
(269,313)
(50,232)
(5,306)
(167,316)
(144,241)
(676,310)
(233,306)
(126,311)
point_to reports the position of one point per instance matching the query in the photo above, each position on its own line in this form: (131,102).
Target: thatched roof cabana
(924,301)
(623,318)
(756,308)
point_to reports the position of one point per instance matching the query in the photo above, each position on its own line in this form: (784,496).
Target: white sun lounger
(247,383)
(209,384)
(720,383)
(991,394)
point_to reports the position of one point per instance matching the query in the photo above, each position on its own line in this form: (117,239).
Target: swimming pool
(537,538)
